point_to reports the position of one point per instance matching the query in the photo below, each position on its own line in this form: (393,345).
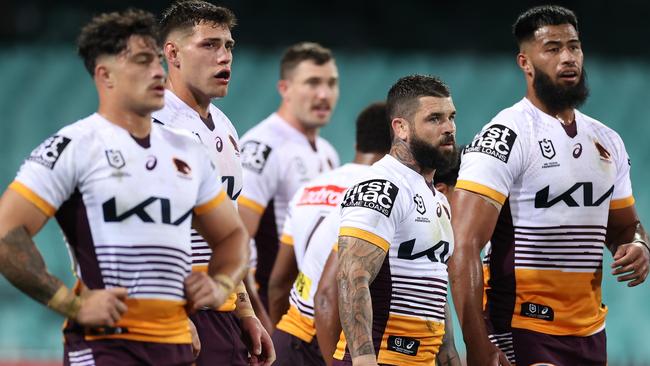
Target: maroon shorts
(291,350)
(349,363)
(110,352)
(221,339)
(531,348)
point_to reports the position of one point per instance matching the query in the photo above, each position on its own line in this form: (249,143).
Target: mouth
(569,75)
(223,76)
(322,109)
(158,89)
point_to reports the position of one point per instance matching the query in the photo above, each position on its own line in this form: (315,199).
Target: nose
(224,56)
(158,71)
(567,57)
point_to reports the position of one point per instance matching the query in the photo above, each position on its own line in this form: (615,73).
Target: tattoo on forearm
(23,266)
(401,151)
(359,263)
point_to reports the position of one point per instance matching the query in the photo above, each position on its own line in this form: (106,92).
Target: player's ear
(524,64)
(170,49)
(283,87)
(400,128)
(103,75)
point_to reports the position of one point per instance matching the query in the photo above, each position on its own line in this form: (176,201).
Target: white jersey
(557,186)
(125,207)
(220,138)
(394,208)
(277,159)
(311,227)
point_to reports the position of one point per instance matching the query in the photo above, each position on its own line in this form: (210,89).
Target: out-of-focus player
(305,245)
(550,188)
(395,236)
(284,151)
(198,47)
(125,193)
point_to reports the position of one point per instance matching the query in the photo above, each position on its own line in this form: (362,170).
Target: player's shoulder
(177,137)
(598,127)
(267,132)
(327,146)
(516,117)
(84,127)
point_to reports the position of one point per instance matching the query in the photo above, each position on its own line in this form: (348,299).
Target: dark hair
(403,97)
(533,19)
(449,176)
(188,13)
(373,129)
(109,33)
(300,52)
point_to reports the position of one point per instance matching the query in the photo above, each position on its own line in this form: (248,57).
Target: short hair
(534,18)
(109,33)
(185,14)
(403,97)
(373,129)
(300,52)
(449,176)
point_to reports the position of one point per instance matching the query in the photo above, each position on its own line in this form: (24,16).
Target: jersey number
(437,253)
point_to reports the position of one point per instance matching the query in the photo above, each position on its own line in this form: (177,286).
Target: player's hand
(631,263)
(201,291)
(102,307)
(196,341)
(487,355)
(257,341)
(365,360)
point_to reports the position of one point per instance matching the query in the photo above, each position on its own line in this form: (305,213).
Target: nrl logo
(548,151)
(115,158)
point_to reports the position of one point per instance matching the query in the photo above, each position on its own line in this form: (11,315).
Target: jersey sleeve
(286,236)
(211,193)
(260,175)
(370,211)
(622,196)
(49,176)
(493,160)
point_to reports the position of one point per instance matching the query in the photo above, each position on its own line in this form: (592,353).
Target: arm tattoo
(401,151)
(359,264)
(22,264)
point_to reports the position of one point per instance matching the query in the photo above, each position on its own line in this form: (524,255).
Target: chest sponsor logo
(115,158)
(140,211)
(375,194)
(438,253)
(48,153)
(255,155)
(329,195)
(542,199)
(537,311)
(404,345)
(547,148)
(496,141)
(419,202)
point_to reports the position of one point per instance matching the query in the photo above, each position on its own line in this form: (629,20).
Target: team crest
(604,154)
(183,169)
(419,201)
(115,158)
(548,151)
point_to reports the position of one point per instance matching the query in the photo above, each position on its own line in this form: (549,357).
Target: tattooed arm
(255,336)
(22,264)
(359,263)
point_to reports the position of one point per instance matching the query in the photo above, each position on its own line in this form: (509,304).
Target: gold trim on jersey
(150,320)
(229,305)
(32,197)
(365,235)
(286,239)
(482,190)
(621,203)
(206,207)
(297,324)
(247,202)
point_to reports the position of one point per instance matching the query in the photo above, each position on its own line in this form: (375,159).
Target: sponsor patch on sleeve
(48,153)
(254,155)
(496,141)
(375,194)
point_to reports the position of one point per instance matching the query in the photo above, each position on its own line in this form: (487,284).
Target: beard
(431,157)
(559,97)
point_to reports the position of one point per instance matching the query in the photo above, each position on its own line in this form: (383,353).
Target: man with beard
(395,236)
(549,187)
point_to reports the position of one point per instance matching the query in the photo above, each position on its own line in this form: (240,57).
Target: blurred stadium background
(43,86)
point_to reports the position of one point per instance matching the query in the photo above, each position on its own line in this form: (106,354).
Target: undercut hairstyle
(300,52)
(373,129)
(109,33)
(449,176)
(540,16)
(185,14)
(404,96)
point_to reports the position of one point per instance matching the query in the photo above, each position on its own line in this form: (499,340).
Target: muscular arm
(448,355)
(285,270)
(326,309)
(359,263)
(471,232)
(628,242)
(251,219)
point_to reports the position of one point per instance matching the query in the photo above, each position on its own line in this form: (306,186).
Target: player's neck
(310,133)
(401,151)
(565,116)
(137,124)
(195,100)
(366,158)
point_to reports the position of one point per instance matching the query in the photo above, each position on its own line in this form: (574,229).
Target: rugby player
(125,193)
(550,188)
(198,48)
(285,151)
(305,245)
(395,236)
